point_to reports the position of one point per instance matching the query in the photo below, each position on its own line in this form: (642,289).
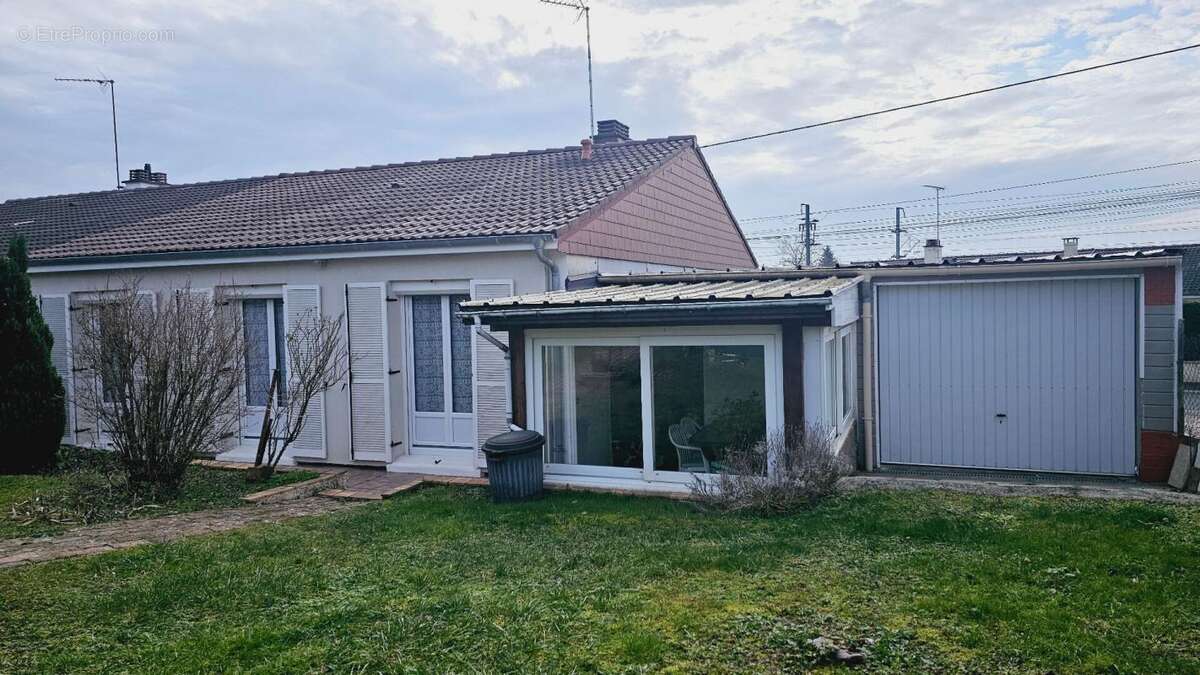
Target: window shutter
(54,312)
(491,372)
(297,301)
(370,422)
(84,385)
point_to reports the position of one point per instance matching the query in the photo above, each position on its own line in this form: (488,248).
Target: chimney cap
(933,242)
(145,177)
(611,131)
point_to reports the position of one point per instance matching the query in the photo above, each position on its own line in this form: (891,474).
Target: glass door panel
(706,400)
(592,413)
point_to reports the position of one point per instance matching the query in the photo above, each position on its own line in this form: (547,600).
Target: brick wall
(675,216)
(1160,286)
(1158,454)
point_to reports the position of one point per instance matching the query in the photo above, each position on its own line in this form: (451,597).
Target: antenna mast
(586,13)
(112,95)
(937,196)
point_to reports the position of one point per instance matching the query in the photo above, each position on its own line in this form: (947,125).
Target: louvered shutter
(298,302)
(84,381)
(370,423)
(491,372)
(57,318)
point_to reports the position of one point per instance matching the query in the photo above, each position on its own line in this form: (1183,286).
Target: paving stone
(107,537)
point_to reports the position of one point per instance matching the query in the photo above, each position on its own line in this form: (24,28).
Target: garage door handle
(1001,416)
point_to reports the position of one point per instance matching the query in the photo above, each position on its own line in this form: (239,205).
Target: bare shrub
(163,382)
(317,359)
(788,471)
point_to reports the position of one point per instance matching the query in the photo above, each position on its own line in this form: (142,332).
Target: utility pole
(808,235)
(897,231)
(112,94)
(937,196)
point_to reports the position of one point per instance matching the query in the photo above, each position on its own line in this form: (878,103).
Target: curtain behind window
(258,355)
(428,371)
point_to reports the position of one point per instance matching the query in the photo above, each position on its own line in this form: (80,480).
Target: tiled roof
(530,192)
(672,292)
(1191,271)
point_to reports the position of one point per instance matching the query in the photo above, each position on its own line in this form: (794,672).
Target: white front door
(263,332)
(440,401)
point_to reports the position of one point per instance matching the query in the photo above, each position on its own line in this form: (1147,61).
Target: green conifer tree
(32,409)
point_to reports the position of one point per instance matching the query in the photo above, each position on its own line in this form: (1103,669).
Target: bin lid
(512,442)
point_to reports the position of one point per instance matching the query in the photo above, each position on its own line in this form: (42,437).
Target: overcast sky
(211,90)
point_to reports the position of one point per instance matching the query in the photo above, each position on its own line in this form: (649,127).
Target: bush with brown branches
(788,471)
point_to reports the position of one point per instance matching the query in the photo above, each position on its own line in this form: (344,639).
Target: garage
(1025,374)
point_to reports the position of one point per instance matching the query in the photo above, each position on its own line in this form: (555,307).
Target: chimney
(585,149)
(144,178)
(611,131)
(933,252)
(1070,247)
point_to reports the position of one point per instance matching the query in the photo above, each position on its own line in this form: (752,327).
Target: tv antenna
(112,94)
(937,197)
(586,13)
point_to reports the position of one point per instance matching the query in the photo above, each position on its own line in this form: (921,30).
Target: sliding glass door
(652,407)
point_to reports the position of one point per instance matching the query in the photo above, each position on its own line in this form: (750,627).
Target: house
(396,249)
(1047,364)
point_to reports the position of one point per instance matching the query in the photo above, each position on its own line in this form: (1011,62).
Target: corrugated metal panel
(1010,258)
(698,291)
(1024,375)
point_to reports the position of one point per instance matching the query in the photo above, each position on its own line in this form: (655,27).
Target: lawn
(441,580)
(87,488)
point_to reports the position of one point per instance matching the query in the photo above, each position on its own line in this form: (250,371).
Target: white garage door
(1026,375)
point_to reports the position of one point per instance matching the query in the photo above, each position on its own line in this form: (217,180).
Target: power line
(992,213)
(1078,214)
(863,207)
(950,98)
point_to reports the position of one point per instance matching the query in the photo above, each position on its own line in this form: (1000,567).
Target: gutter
(615,308)
(511,242)
(539,250)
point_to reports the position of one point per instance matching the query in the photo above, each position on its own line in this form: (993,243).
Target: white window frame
(444,292)
(247,435)
(768,337)
(834,358)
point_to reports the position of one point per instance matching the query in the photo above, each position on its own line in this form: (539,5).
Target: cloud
(264,86)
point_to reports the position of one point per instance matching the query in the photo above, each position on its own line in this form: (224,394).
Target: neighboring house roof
(1191,271)
(520,193)
(1010,258)
(613,292)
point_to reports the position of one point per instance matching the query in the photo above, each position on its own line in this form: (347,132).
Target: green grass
(79,493)
(440,580)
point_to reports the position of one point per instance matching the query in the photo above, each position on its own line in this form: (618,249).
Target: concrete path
(122,534)
(1128,491)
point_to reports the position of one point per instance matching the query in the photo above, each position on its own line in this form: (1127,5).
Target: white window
(265,349)
(652,405)
(840,385)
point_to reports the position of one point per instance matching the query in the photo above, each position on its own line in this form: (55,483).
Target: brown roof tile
(539,191)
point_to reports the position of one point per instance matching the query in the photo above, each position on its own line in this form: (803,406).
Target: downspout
(539,249)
